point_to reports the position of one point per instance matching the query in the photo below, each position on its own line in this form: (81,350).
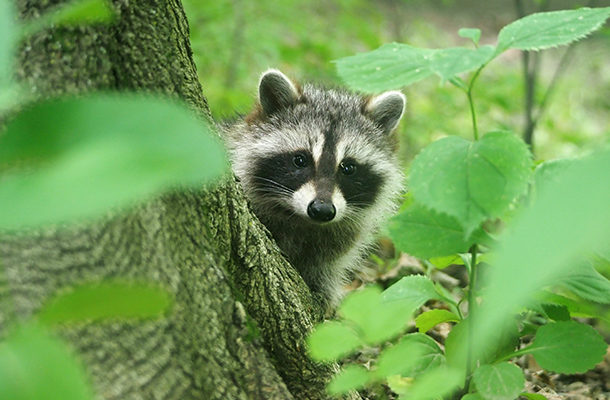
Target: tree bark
(241,312)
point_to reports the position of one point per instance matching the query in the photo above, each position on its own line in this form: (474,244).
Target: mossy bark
(241,312)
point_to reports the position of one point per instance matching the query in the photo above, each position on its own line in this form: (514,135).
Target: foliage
(554,219)
(66,159)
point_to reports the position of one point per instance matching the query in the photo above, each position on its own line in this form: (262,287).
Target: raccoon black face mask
(320,169)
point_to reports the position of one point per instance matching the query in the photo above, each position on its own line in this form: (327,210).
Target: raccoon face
(322,155)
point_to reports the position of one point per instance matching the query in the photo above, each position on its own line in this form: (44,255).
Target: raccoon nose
(321,211)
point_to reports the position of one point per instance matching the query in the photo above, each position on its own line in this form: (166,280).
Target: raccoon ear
(276,91)
(386,109)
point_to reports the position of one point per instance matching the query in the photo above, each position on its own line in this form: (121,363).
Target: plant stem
(473,114)
(472,273)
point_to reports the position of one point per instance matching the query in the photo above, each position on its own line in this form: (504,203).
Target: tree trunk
(241,312)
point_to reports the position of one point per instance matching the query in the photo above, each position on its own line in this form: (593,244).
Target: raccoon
(319,167)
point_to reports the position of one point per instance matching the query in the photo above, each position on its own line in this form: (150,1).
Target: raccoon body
(319,167)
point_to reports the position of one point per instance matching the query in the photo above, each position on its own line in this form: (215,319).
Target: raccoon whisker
(274,183)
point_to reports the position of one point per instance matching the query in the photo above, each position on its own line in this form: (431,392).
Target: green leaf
(434,384)
(414,289)
(106,300)
(444,262)
(470,33)
(425,233)
(429,319)
(396,65)
(568,219)
(503,381)
(550,29)
(472,181)
(414,355)
(332,340)
(587,283)
(533,396)
(70,159)
(351,377)
(556,312)
(8,27)
(576,307)
(378,319)
(568,347)
(472,396)
(36,365)
(73,13)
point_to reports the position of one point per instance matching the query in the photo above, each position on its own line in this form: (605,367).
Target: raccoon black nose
(321,211)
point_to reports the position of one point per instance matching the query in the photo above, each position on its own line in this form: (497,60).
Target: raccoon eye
(299,161)
(347,168)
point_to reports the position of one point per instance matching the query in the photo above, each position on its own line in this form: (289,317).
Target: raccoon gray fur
(319,167)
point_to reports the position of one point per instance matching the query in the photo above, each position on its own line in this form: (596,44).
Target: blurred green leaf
(396,65)
(72,13)
(414,290)
(69,159)
(429,319)
(479,180)
(332,340)
(35,365)
(377,319)
(472,396)
(426,354)
(567,347)
(587,283)
(8,28)
(503,381)
(106,300)
(568,219)
(435,384)
(425,233)
(470,33)
(550,29)
(351,377)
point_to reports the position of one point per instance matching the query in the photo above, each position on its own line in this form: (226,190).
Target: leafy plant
(554,219)
(64,160)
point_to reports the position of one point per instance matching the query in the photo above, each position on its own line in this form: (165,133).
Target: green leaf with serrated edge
(567,347)
(586,282)
(576,307)
(470,33)
(8,27)
(550,29)
(414,355)
(472,181)
(503,381)
(533,396)
(332,340)
(429,319)
(425,233)
(414,289)
(351,377)
(428,386)
(396,65)
(106,300)
(65,160)
(377,320)
(36,365)
(556,312)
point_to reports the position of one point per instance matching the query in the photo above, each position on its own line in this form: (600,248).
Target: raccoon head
(323,155)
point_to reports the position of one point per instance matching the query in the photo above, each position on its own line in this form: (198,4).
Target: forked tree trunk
(241,313)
